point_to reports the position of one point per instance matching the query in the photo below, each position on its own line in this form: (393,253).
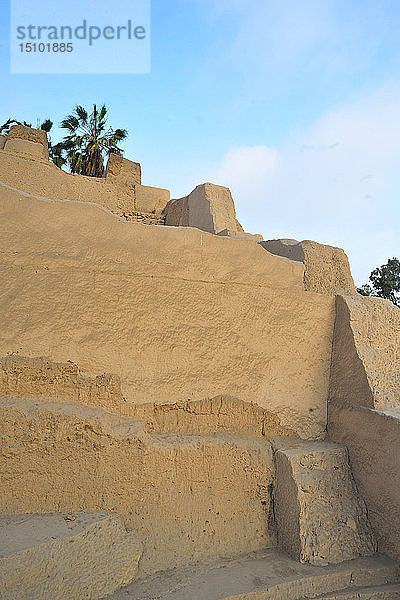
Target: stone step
(189,496)
(319,514)
(264,575)
(65,556)
(381,592)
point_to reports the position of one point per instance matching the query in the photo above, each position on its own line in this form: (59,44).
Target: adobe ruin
(186,409)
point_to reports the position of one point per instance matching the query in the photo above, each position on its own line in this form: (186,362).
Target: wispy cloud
(286,39)
(336,181)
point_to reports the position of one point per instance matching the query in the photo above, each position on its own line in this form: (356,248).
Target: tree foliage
(365,290)
(89,140)
(385,282)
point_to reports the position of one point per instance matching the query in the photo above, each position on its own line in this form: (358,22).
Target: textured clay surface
(319,515)
(29,141)
(28,133)
(149,199)
(30,149)
(177,314)
(269,575)
(65,557)
(187,496)
(208,207)
(35,175)
(42,379)
(121,170)
(366,359)
(327,269)
(221,413)
(240,235)
(384,592)
(373,441)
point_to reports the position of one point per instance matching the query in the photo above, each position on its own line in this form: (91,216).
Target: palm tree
(89,140)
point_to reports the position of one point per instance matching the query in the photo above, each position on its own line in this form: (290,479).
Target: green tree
(385,282)
(90,140)
(365,290)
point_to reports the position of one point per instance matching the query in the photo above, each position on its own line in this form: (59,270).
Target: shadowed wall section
(364,406)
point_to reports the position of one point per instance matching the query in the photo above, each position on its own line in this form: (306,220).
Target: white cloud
(337,182)
(248,166)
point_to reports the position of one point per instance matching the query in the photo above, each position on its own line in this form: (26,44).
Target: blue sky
(293,105)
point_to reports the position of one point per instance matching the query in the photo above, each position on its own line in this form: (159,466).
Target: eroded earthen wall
(24,166)
(27,141)
(186,497)
(373,441)
(364,406)
(326,268)
(208,207)
(42,379)
(177,314)
(366,361)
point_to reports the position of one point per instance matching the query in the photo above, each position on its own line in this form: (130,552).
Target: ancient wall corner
(121,171)
(208,207)
(365,368)
(327,268)
(348,377)
(26,140)
(363,406)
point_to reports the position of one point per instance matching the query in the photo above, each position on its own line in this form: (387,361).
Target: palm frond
(120,134)
(70,122)
(46,125)
(82,113)
(102,112)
